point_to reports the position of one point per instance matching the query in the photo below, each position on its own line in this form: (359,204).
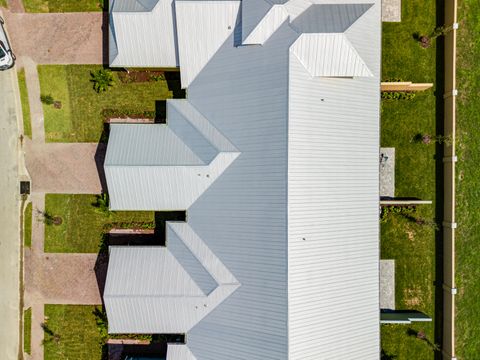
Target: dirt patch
(410,234)
(57,220)
(413,297)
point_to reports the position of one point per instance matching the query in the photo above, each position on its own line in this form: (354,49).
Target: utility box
(24,187)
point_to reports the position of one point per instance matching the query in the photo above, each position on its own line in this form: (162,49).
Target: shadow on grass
(440,89)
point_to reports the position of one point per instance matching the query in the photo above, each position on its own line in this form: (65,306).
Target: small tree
(102,80)
(426,40)
(434,139)
(102,204)
(47,99)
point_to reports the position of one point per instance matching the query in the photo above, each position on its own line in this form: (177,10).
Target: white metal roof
(202,27)
(148,291)
(142,34)
(159,167)
(294,218)
(179,352)
(329,55)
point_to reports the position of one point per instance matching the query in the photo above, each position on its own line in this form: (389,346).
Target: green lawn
(71,333)
(410,244)
(27,330)
(80,118)
(468,182)
(83,224)
(27,123)
(3,3)
(52,6)
(27,228)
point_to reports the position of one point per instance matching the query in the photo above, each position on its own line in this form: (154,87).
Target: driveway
(63,278)
(65,168)
(59,38)
(9,219)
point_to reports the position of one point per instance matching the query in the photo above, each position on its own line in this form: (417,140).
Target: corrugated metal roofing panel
(189,262)
(252,13)
(179,352)
(202,27)
(251,218)
(148,291)
(242,216)
(144,39)
(333,200)
(132,5)
(276,16)
(162,187)
(329,18)
(329,55)
(147,145)
(139,271)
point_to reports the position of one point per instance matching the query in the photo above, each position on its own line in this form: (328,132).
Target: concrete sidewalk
(9,218)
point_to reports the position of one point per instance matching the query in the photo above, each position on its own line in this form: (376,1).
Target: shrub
(157,77)
(129,225)
(102,326)
(47,99)
(102,80)
(102,204)
(433,139)
(124,113)
(398,95)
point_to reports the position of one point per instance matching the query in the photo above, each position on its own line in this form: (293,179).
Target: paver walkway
(33,89)
(16,6)
(59,38)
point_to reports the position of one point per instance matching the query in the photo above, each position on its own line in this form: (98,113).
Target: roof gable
(329,55)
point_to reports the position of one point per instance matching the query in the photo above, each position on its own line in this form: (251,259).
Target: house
(274,156)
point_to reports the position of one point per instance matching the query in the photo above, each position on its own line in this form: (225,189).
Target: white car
(7,59)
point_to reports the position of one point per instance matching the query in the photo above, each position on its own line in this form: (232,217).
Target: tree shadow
(439,184)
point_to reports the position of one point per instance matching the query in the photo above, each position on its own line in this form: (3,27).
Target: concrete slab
(387,284)
(391,10)
(387,172)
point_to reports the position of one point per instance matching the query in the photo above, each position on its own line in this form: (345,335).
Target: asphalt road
(9,218)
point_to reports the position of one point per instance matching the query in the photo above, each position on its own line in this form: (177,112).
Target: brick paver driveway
(75,168)
(64,278)
(60,38)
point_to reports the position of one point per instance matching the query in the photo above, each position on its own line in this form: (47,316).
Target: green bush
(398,95)
(102,80)
(124,113)
(159,77)
(102,326)
(47,99)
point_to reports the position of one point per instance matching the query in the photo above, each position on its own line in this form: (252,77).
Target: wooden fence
(449,159)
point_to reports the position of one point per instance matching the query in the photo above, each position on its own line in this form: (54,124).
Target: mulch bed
(140,76)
